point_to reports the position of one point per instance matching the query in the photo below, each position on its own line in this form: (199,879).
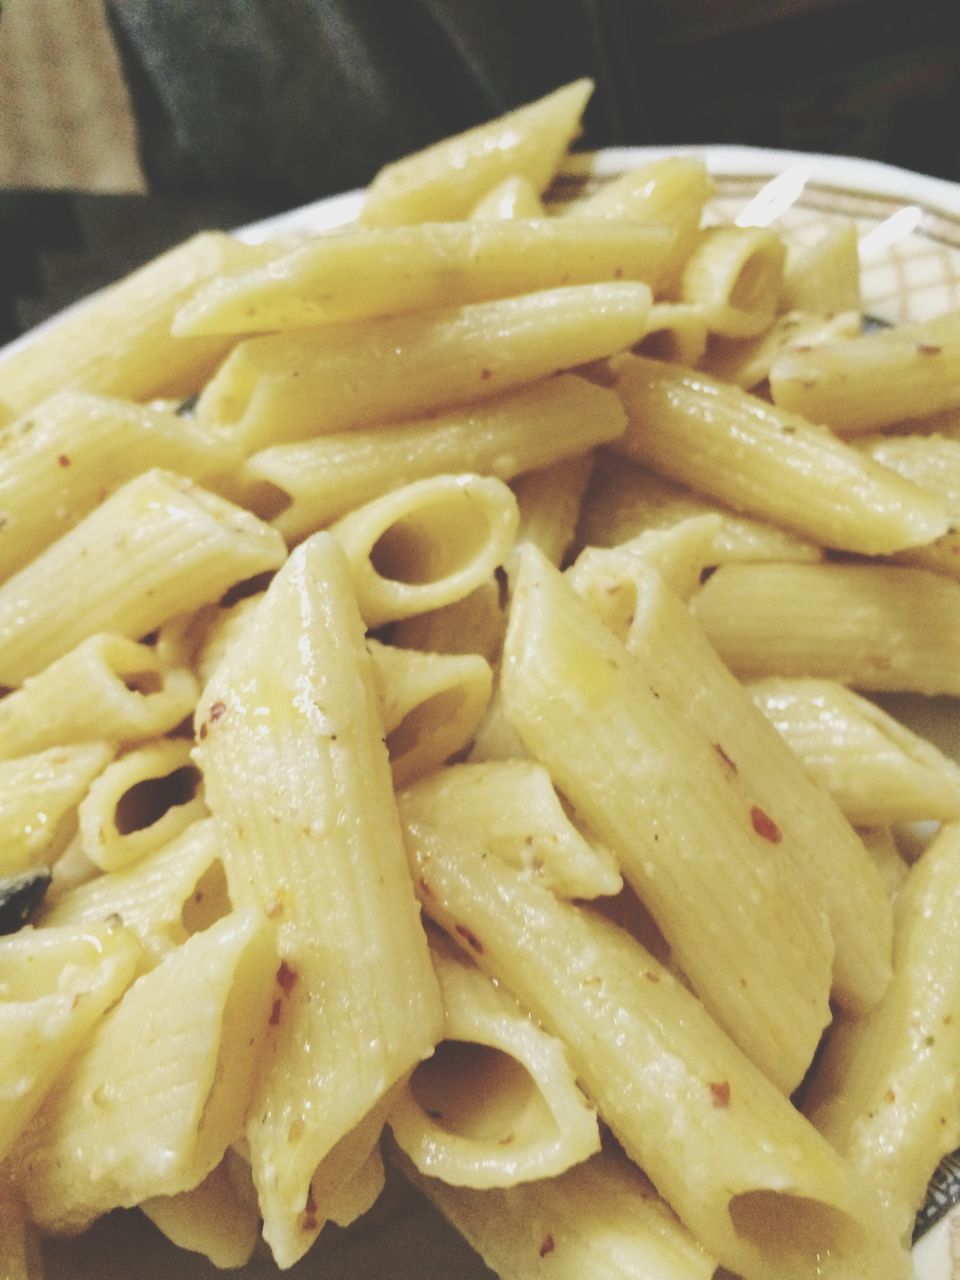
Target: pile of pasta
(435,732)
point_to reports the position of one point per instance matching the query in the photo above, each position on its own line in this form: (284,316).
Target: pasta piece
(296,774)
(676,332)
(176,890)
(549,505)
(39,795)
(747,361)
(686,672)
(875,380)
(56,984)
(163,1083)
(741,923)
(119,343)
(823,278)
(514,197)
(474,624)
(753,1181)
(875,768)
(426,545)
(69,453)
(601,1219)
(768,463)
(885,1090)
(221,630)
(325,478)
(288,386)
(140,802)
(108,688)
(624,500)
(933,462)
(159,546)
(668,192)
(734,276)
(881,845)
(432,704)
(497,1104)
(496,738)
(361,274)
(359,1193)
(210,1219)
(447,179)
(609,577)
(874,626)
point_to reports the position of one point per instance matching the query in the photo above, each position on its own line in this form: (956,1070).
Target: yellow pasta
(447,179)
(322,479)
(289,386)
(501,687)
(365,273)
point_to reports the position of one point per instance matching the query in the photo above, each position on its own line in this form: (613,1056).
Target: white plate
(909,229)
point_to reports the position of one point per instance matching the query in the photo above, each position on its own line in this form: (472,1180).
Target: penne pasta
(57,984)
(873,626)
(296,775)
(602,1218)
(878,771)
(533,427)
(162,1085)
(873,381)
(119,343)
(657,791)
(170,893)
(823,278)
(884,1092)
(431,703)
(733,276)
(447,179)
(108,688)
(647,1054)
(360,274)
(62,459)
(139,802)
(514,197)
(39,795)
(159,546)
(768,463)
(497,1104)
(624,500)
(549,502)
(426,545)
(283,387)
(671,192)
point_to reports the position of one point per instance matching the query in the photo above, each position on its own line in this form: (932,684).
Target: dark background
(247,107)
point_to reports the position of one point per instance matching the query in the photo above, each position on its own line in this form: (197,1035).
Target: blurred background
(127,124)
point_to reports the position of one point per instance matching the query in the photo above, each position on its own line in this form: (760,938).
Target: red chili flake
(724,757)
(486,373)
(287,977)
(765,826)
(720,1092)
(63,460)
(546,1246)
(216,711)
(275,1013)
(928,349)
(308,1219)
(469,938)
